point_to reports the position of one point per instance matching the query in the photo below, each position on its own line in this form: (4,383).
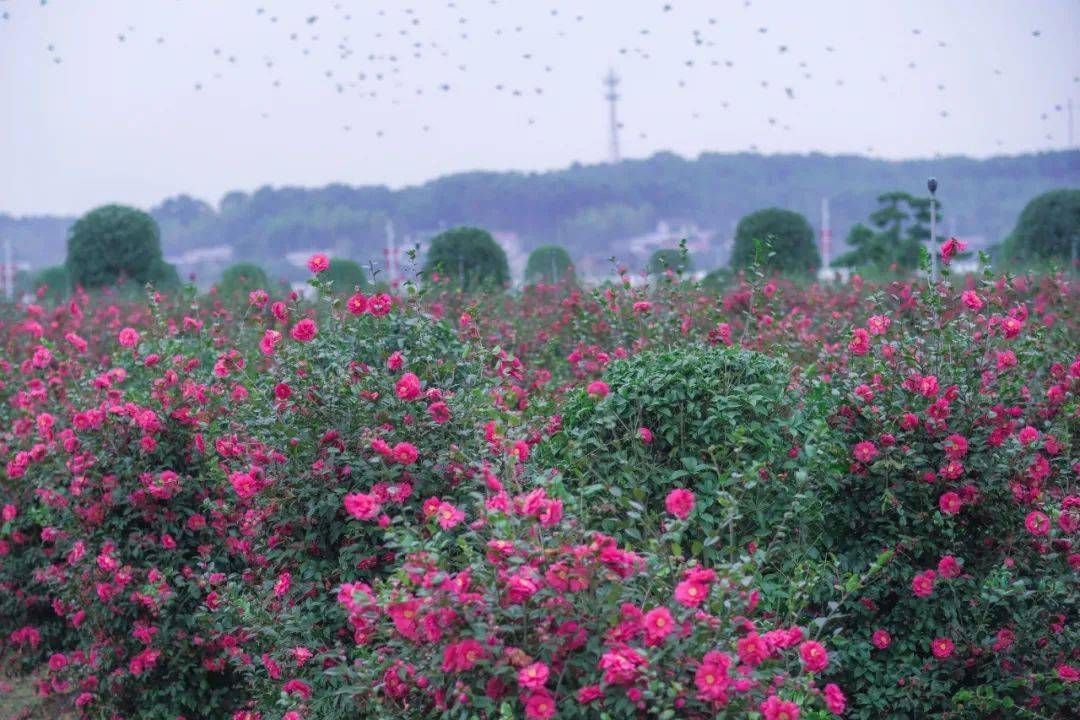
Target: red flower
(860,342)
(950,503)
(814,657)
(955,446)
(362,506)
(923,584)
(449,516)
(865,452)
(1037,523)
(405,453)
(622,664)
(463,655)
(379,304)
(589,693)
(680,503)
(834,699)
(534,676)
(711,678)
(305,330)
(972,300)
(539,705)
(357,303)
(942,648)
(439,412)
(752,649)
(776,709)
(658,625)
(597,389)
(408,387)
(298,687)
(128,337)
(317,263)
(948,567)
(951,248)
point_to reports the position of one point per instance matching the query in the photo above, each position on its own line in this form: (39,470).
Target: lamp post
(931,185)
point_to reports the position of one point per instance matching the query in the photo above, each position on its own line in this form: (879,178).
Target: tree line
(584,207)
(116,244)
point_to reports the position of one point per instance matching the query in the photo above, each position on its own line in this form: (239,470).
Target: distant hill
(587,208)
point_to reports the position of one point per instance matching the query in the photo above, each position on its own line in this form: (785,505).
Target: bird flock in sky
(376,53)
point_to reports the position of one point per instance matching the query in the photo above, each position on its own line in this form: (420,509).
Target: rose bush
(508,607)
(953,446)
(840,499)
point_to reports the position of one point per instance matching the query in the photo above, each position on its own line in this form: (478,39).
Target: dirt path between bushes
(18,701)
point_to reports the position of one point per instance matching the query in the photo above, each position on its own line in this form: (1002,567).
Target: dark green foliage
(469,257)
(673,259)
(718,279)
(898,228)
(717,417)
(347,275)
(1048,228)
(549,264)
(55,281)
(596,224)
(582,207)
(112,243)
(788,235)
(240,279)
(164,276)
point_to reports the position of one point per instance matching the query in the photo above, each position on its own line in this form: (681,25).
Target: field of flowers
(774,501)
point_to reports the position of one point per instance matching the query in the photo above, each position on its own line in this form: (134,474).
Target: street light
(931,185)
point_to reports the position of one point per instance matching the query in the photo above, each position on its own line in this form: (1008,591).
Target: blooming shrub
(953,446)
(514,610)
(378,421)
(112,481)
(634,501)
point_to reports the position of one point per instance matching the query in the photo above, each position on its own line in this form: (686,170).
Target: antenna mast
(611,82)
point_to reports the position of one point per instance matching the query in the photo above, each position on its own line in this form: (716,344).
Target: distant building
(299,258)
(204,263)
(666,235)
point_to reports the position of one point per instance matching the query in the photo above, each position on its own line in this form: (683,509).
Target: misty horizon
(215,201)
(135,102)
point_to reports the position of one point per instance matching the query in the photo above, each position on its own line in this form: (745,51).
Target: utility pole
(611,82)
(9,271)
(391,251)
(826,234)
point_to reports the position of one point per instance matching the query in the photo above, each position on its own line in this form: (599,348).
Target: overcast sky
(135,100)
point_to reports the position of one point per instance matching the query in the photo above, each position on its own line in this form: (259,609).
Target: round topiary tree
(705,419)
(789,236)
(53,282)
(671,259)
(549,264)
(111,243)
(469,257)
(240,279)
(1048,228)
(347,275)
